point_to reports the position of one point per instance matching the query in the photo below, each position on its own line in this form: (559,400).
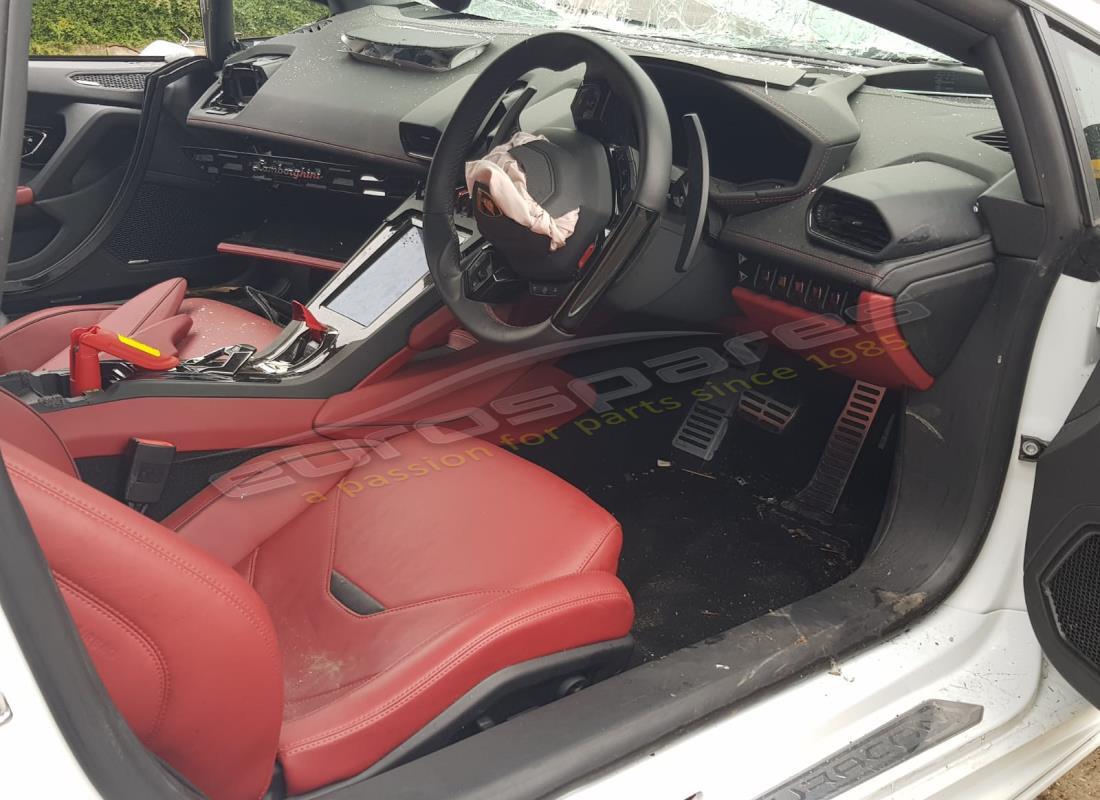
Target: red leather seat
(219,634)
(39,341)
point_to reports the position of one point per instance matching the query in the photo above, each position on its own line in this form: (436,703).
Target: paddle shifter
(85,345)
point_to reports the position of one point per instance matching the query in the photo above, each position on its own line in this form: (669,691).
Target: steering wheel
(571,169)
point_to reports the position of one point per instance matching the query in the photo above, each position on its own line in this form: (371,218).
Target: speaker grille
(130,81)
(168,223)
(1074,593)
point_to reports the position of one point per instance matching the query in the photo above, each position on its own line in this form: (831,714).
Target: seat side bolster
(605,554)
(365,723)
(185,648)
(25,428)
(242,508)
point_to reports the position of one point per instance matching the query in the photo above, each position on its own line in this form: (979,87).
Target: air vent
(419,141)
(998,139)
(849,221)
(241,81)
(127,81)
(313,27)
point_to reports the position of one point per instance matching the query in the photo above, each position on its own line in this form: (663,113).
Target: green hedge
(67,26)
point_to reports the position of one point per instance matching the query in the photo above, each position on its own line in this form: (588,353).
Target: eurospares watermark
(604,397)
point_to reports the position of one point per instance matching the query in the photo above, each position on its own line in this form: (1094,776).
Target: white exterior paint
(35,760)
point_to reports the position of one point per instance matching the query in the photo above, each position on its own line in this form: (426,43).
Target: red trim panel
(872,349)
(190,423)
(282,256)
(24,195)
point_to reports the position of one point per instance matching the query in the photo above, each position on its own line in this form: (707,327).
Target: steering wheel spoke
(486,279)
(608,263)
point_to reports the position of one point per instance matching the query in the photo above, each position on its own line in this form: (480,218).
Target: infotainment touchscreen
(382,283)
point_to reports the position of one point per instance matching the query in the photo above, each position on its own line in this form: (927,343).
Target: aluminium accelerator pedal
(822,494)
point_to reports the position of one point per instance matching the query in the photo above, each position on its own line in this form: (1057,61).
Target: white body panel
(35,760)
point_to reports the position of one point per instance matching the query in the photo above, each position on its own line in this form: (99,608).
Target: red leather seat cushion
(480,559)
(216,324)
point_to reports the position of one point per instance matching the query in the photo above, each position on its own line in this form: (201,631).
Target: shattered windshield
(786,27)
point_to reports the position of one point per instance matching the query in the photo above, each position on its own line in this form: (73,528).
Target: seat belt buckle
(150,463)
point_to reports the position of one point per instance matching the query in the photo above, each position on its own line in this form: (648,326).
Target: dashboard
(843,181)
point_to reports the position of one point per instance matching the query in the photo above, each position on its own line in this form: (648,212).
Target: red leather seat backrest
(184,645)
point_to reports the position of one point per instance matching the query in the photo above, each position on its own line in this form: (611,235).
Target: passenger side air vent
(241,81)
(897,211)
(849,221)
(998,139)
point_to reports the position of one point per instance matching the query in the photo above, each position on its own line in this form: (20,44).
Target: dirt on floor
(1080,783)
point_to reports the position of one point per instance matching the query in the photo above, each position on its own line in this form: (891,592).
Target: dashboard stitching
(786,112)
(783,198)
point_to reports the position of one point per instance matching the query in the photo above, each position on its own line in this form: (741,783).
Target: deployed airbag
(506,183)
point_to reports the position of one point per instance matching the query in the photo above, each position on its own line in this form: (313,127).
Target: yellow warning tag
(134,343)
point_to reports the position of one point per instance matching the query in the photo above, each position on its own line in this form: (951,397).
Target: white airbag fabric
(507,182)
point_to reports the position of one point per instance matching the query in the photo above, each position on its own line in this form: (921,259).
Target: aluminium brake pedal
(822,494)
(766,412)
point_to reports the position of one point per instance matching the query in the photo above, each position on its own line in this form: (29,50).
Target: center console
(358,320)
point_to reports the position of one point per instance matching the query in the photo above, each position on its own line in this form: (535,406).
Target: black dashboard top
(320,96)
(776,131)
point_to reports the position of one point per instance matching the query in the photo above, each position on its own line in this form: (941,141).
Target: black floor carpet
(707,545)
